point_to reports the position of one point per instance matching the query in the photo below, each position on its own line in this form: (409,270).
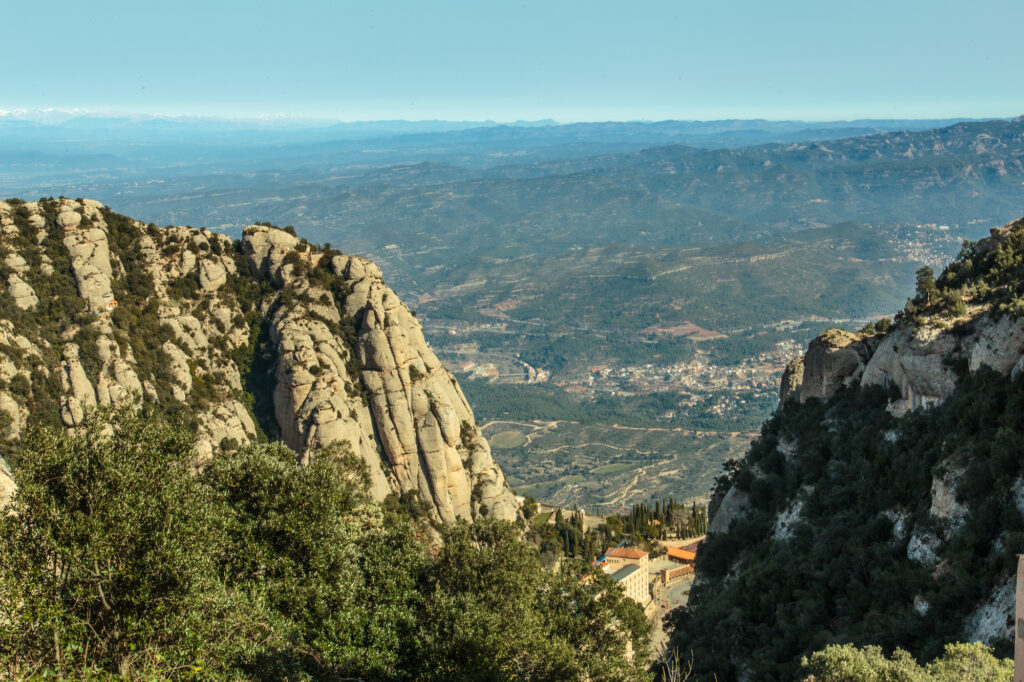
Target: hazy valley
(616,269)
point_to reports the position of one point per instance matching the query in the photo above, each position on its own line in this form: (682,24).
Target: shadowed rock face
(834,359)
(239,337)
(7,485)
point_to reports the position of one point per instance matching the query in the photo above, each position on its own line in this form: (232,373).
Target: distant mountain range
(135,145)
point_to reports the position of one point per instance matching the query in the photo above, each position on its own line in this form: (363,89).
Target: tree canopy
(118,560)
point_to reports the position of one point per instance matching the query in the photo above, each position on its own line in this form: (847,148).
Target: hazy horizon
(58,115)
(571,61)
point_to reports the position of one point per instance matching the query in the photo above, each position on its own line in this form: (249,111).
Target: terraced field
(606,468)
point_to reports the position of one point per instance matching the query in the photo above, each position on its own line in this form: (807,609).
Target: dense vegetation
(869,664)
(118,560)
(989,272)
(567,535)
(841,573)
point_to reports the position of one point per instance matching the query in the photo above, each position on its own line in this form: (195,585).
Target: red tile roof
(625,553)
(677,553)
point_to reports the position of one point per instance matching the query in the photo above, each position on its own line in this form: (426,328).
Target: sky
(567,60)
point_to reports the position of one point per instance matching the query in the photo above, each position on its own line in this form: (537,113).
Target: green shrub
(120,562)
(848,663)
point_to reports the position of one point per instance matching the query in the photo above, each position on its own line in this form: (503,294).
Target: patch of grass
(612,468)
(507,439)
(541,519)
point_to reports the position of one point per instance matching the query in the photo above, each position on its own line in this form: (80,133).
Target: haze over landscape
(533,299)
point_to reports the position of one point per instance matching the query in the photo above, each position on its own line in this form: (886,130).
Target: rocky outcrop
(992,621)
(7,484)
(944,506)
(23,295)
(79,392)
(916,363)
(266,249)
(90,253)
(234,338)
(402,412)
(735,504)
(792,378)
(834,359)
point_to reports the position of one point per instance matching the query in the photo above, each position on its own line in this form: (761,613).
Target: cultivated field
(606,468)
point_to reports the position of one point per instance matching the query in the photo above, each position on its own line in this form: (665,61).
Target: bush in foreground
(848,663)
(119,561)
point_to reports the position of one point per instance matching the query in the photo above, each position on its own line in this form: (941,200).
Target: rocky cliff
(883,503)
(268,336)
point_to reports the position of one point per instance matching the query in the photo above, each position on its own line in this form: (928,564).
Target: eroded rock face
(992,621)
(266,249)
(914,363)
(90,252)
(918,365)
(792,379)
(403,413)
(834,359)
(23,295)
(341,360)
(7,484)
(735,505)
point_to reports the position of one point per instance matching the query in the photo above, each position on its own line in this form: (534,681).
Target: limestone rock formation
(834,359)
(916,363)
(931,461)
(792,379)
(734,505)
(23,295)
(394,402)
(237,338)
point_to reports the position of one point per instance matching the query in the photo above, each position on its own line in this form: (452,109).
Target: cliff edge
(264,337)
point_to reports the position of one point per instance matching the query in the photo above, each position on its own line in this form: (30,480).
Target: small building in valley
(633,580)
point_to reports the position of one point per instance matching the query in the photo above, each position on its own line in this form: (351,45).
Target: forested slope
(883,503)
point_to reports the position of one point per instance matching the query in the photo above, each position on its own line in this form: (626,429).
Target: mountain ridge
(238,340)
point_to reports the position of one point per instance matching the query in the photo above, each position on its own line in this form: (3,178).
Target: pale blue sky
(488,59)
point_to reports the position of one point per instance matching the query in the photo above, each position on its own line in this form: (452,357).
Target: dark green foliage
(842,576)
(497,615)
(869,664)
(257,365)
(987,275)
(184,287)
(879,326)
(330,565)
(110,560)
(119,560)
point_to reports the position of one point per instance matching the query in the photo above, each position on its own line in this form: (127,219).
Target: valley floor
(606,468)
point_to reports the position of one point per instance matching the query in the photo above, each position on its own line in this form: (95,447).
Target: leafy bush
(848,663)
(120,561)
